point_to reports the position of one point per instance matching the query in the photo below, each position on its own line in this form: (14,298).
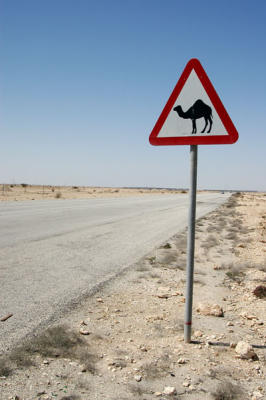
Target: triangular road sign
(194,113)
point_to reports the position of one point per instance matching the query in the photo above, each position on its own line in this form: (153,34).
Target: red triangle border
(221,111)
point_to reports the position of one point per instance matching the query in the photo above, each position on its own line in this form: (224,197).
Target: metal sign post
(191,242)
(193,115)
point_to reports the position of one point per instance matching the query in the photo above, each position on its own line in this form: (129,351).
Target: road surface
(55,252)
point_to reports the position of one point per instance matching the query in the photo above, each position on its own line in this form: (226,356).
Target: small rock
(198,334)
(138,378)
(84,332)
(169,390)
(245,351)
(230,323)
(233,345)
(157,394)
(260,291)
(186,384)
(144,349)
(45,362)
(100,300)
(181,361)
(163,295)
(247,316)
(41,393)
(214,310)
(83,323)
(256,395)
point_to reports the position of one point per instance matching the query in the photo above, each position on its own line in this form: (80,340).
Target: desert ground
(126,341)
(20,192)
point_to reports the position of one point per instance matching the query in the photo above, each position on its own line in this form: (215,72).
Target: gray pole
(191,242)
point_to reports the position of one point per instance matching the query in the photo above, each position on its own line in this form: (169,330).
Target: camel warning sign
(194,113)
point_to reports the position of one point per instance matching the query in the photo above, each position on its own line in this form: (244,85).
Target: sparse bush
(262,267)
(138,389)
(211,241)
(227,391)
(231,236)
(199,282)
(152,259)
(157,369)
(168,258)
(75,187)
(235,272)
(24,185)
(54,342)
(166,246)
(142,268)
(211,228)
(5,370)
(58,195)
(154,276)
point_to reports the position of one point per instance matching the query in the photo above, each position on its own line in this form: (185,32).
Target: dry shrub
(232,236)
(211,228)
(168,258)
(142,268)
(211,241)
(166,246)
(227,391)
(54,342)
(154,275)
(138,389)
(235,271)
(157,369)
(5,369)
(58,195)
(199,282)
(262,267)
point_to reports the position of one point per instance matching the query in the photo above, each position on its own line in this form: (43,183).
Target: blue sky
(82,84)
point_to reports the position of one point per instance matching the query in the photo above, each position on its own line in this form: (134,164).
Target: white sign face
(192,112)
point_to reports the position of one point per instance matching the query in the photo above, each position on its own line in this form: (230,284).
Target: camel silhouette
(198,110)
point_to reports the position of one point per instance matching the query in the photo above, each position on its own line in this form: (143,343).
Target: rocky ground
(126,341)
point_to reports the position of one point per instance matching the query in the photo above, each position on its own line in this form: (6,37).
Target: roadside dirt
(24,191)
(126,341)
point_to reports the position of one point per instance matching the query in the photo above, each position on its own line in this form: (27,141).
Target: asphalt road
(55,252)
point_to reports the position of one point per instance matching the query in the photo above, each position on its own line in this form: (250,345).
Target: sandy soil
(34,192)
(126,341)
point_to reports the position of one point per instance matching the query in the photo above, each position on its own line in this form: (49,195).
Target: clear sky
(82,84)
